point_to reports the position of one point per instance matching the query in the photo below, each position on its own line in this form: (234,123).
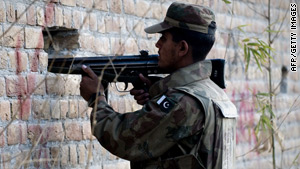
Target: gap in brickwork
(60,42)
(284,81)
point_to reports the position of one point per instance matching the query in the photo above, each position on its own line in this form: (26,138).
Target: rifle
(125,68)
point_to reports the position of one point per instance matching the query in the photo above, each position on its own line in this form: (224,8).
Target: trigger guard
(126,86)
(117,87)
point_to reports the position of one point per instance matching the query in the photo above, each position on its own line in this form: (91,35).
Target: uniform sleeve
(149,132)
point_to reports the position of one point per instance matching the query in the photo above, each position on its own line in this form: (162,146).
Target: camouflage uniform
(179,114)
(181,126)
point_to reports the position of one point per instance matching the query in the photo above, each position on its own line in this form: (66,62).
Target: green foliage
(265,110)
(256,49)
(227,2)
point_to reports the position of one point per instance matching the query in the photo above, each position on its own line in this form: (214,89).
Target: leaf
(240,28)
(246,40)
(271,111)
(295,160)
(272,31)
(255,54)
(227,2)
(247,56)
(253,44)
(240,45)
(256,129)
(267,121)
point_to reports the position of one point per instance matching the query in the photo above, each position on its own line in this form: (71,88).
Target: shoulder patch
(165,104)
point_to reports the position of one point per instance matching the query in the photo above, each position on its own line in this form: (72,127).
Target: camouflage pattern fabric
(180,114)
(186,16)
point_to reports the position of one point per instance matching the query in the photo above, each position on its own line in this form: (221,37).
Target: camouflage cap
(186,16)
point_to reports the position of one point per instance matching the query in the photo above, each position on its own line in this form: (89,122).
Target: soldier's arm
(149,132)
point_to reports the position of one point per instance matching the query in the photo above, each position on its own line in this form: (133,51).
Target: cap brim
(158,28)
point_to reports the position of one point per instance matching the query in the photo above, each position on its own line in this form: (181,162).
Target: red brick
(2,86)
(93,21)
(112,24)
(129,8)
(17,134)
(41,109)
(73,111)
(52,81)
(141,4)
(55,156)
(31,15)
(85,21)
(55,132)
(116,6)
(157,11)
(101,46)
(131,46)
(5,114)
(2,137)
(101,25)
(85,3)
(73,131)
(34,38)
(41,158)
(117,46)
(36,84)
(21,108)
(43,61)
(77,19)
(73,155)
(46,133)
(82,154)
(18,61)
(16,86)
(21,13)
(59,20)
(21,157)
(35,134)
(49,14)
(101,5)
(5,160)
(87,132)
(64,108)
(14,36)
(2,12)
(85,41)
(68,2)
(33,58)
(3,58)
(67,18)
(10,12)
(40,16)
(139,27)
(55,109)
(65,153)
(82,108)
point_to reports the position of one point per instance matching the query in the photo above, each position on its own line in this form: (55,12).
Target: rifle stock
(125,68)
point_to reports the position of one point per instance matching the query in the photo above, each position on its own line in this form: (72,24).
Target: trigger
(126,86)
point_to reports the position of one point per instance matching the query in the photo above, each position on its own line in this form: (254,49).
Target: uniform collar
(183,76)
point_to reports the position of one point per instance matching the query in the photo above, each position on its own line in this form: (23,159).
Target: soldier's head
(191,29)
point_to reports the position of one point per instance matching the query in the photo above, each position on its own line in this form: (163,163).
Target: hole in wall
(284,82)
(60,41)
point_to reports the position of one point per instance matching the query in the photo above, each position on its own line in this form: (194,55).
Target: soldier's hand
(89,83)
(140,95)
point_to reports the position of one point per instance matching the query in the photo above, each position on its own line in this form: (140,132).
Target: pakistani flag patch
(165,104)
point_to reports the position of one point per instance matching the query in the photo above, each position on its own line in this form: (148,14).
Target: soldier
(180,124)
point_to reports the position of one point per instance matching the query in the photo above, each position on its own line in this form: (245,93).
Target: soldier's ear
(183,48)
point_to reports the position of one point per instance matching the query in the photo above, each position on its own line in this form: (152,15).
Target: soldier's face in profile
(167,50)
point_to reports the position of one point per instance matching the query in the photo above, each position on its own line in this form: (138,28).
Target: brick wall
(44,123)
